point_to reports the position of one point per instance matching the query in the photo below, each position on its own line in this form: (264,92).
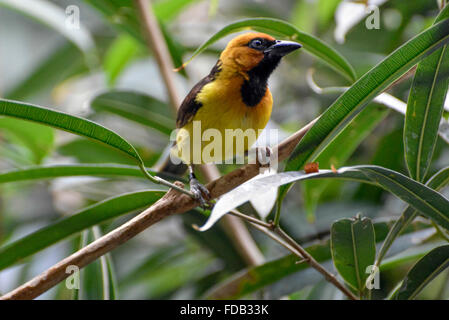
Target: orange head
(246,52)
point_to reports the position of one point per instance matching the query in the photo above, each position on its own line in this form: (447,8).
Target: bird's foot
(200,192)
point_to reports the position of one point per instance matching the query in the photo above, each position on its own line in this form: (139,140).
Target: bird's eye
(256,44)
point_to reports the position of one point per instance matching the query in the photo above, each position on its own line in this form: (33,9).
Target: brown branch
(156,43)
(314,264)
(277,234)
(172,203)
(236,230)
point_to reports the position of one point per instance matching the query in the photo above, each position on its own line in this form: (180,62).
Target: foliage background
(171,260)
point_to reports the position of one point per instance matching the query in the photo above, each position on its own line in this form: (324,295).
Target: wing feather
(190,105)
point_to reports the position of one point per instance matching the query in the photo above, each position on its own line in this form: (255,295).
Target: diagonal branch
(172,203)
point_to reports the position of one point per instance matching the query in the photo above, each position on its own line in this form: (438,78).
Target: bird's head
(248,51)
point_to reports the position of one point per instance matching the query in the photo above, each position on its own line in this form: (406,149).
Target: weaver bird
(233,96)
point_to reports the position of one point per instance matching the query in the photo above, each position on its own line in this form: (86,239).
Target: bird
(233,96)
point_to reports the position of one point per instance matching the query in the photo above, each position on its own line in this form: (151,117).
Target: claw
(200,192)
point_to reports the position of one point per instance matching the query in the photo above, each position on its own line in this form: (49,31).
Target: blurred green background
(40,64)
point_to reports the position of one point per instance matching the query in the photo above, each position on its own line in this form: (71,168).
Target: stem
(286,241)
(279,240)
(314,264)
(159,180)
(96,231)
(251,219)
(277,216)
(172,203)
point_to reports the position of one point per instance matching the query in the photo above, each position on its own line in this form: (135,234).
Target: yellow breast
(224,127)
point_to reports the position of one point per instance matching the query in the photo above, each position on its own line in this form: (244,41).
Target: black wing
(190,106)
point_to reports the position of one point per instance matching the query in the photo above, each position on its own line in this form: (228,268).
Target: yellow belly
(224,127)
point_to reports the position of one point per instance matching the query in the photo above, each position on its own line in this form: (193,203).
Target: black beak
(282,48)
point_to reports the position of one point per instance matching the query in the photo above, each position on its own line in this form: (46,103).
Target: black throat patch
(254,89)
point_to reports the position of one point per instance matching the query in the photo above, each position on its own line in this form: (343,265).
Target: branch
(314,264)
(172,203)
(156,44)
(277,234)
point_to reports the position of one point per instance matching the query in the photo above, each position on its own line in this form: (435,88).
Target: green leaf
(335,155)
(86,218)
(422,198)
(109,279)
(176,49)
(352,101)
(436,182)
(83,150)
(118,56)
(310,43)
(385,154)
(353,250)
(64,121)
(136,107)
(92,282)
(164,274)
(154,260)
(270,272)
(37,138)
(424,110)
(387,100)
(54,17)
(423,272)
(255,278)
(72,170)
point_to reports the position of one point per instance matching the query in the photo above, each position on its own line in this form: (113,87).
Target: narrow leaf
(429,202)
(118,56)
(352,101)
(37,138)
(310,43)
(423,272)
(72,170)
(254,278)
(436,182)
(64,121)
(136,107)
(86,218)
(109,279)
(386,100)
(424,109)
(335,155)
